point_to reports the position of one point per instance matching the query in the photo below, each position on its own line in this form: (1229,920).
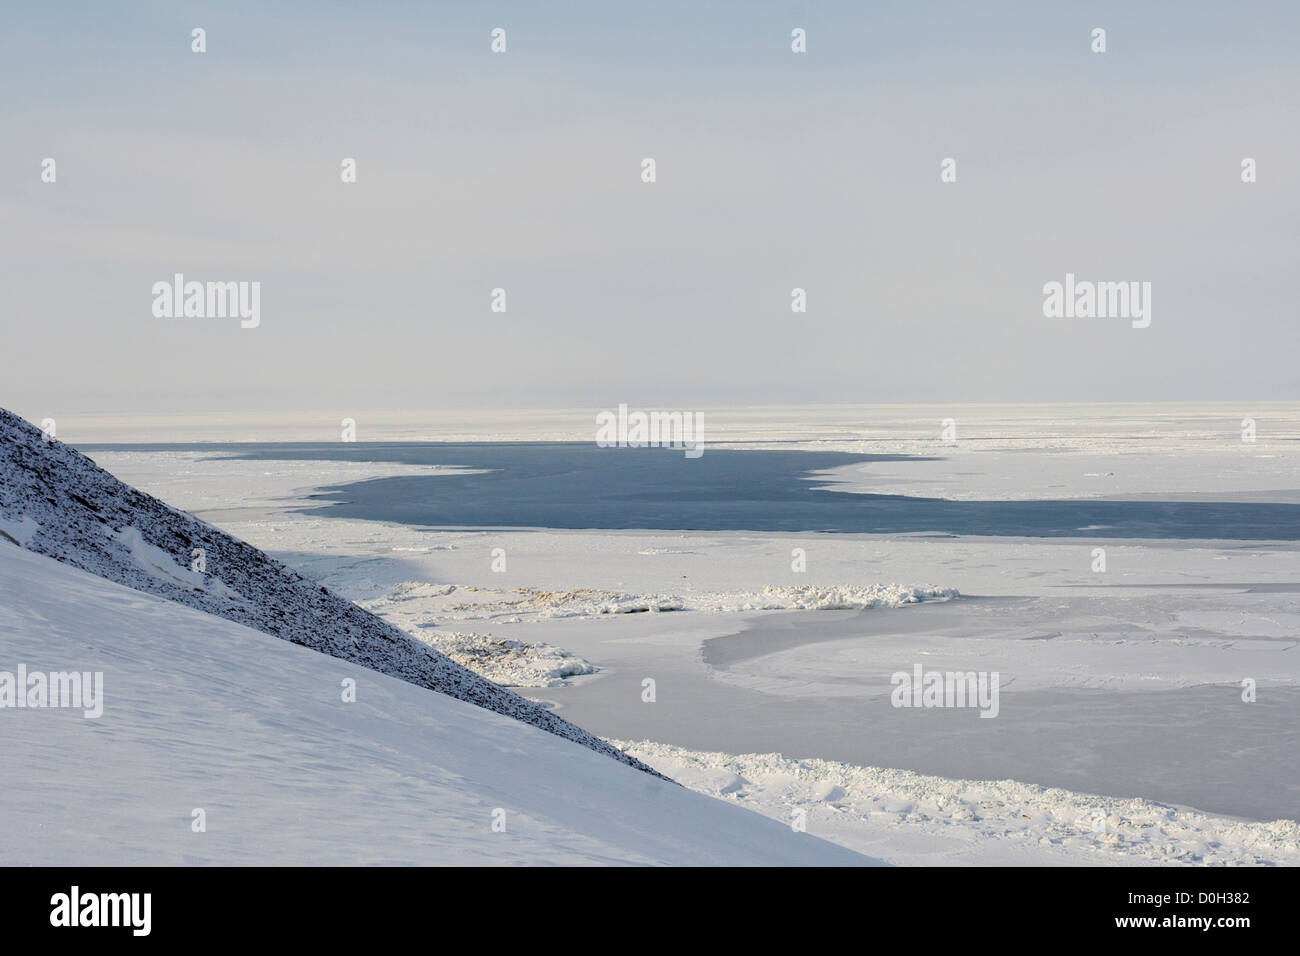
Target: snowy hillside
(204,714)
(57,502)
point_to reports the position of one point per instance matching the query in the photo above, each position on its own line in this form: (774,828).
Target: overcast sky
(522,171)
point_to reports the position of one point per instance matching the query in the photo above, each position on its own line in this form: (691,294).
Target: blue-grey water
(580,485)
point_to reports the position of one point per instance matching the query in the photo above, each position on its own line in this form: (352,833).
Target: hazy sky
(522,171)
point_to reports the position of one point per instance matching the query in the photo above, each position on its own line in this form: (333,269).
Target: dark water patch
(581,486)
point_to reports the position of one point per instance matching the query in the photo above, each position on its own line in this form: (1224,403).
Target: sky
(522,171)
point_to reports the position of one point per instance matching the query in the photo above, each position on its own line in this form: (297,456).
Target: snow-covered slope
(203,714)
(57,502)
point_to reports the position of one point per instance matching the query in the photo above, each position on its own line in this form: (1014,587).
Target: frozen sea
(1123,682)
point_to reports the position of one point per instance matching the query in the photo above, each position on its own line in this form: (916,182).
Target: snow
(843,597)
(1107,428)
(508,663)
(907,818)
(1106,451)
(19,531)
(156,561)
(1153,655)
(413,604)
(203,713)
